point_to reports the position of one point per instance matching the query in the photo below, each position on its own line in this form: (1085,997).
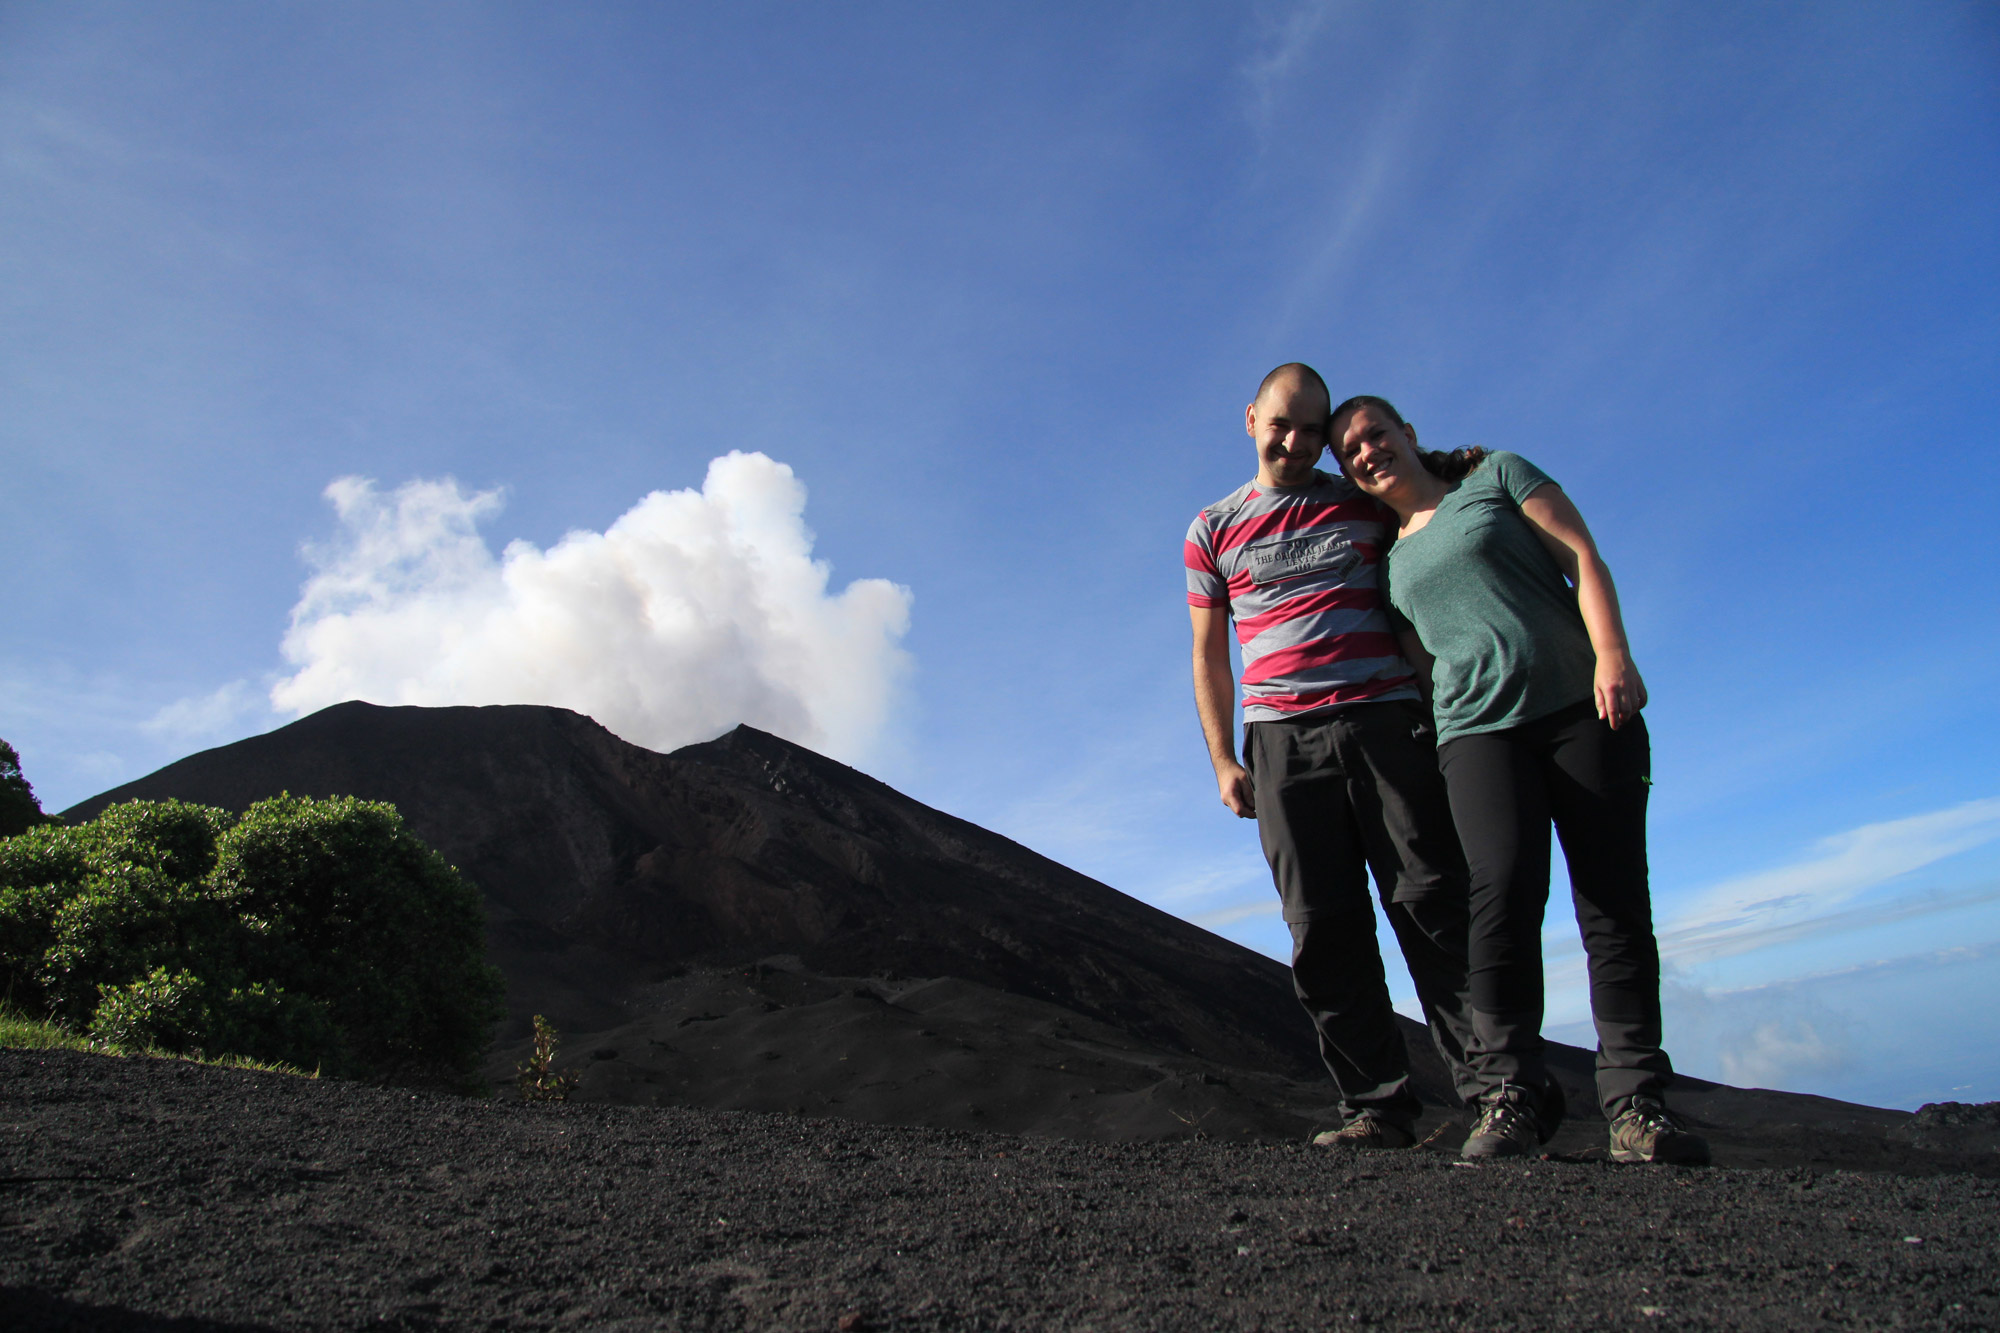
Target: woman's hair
(1439,463)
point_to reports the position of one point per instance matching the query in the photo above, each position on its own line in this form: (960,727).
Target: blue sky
(988,291)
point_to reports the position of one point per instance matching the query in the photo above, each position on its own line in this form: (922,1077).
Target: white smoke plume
(693,612)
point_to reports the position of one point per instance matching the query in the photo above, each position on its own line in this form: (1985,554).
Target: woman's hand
(1620,692)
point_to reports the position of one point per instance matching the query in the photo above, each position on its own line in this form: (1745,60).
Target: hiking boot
(1507,1127)
(1648,1132)
(1366,1131)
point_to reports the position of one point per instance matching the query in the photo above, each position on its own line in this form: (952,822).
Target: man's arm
(1553,518)
(1215,702)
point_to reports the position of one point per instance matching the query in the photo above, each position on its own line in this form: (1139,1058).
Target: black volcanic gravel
(140,1194)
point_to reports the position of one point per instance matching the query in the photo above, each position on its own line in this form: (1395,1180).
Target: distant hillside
(606,867)
(746,923)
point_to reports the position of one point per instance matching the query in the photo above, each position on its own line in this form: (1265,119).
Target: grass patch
(19,1032)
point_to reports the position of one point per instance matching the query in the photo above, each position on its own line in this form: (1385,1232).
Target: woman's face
(1377,452)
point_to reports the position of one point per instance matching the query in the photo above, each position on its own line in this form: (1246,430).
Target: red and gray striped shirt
(1295,567)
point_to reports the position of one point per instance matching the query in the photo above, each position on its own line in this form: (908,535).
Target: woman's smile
(1377,467)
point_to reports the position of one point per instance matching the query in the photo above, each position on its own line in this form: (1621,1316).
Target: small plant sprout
(537,1079)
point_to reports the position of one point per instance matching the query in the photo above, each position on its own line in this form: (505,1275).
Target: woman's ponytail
(1453,465)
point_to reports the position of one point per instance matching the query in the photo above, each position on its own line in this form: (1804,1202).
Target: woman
(1510,617)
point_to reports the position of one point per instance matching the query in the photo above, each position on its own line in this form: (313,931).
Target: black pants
(1337,794)
(1506,787)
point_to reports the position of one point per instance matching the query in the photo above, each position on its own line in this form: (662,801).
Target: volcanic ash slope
(134,1192)
(745,924)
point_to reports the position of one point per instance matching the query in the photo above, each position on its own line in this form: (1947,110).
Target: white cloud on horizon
(1823,1031)
(1777,1036)
(1792,900)
(1769,1037)
(694,611)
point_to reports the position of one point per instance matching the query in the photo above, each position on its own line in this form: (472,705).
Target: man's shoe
(1366,1131)
(1648,1132)
(1507,1127)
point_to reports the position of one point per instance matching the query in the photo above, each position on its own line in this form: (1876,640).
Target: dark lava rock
(1968,1131)
(154,1194)
(1958,1115)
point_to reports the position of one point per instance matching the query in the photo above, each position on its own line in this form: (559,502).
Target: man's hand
(1215,703)
(1234,786)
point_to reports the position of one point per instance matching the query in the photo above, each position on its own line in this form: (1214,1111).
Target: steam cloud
(1762,1037)
(691,613)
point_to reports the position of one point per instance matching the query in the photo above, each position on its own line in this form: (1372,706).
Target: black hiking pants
(1338,793)
(1572,769)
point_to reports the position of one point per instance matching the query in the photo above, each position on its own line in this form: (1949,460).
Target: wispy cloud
(199,717)
(1812,897)
(1287,41)
(1232,876)
(1227,916)
(1297,61)
(1794,900)
(1560,940)
(1843,887)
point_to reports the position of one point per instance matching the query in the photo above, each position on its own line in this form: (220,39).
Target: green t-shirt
(1491,604)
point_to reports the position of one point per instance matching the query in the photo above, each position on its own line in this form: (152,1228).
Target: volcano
(746,924)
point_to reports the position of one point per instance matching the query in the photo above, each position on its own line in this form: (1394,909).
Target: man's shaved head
(1288,420)
(1301,372)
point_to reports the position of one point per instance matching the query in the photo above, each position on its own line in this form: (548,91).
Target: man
(1339,762)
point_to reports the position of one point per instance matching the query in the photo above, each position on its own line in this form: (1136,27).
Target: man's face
(1377,452)
(1288,422)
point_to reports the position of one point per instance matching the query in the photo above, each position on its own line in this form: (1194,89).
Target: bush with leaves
(19,810)
(320,933)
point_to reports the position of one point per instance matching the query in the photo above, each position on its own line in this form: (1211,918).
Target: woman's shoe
(1507,1127)
(1646,1131)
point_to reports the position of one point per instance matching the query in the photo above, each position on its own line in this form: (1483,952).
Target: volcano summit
(745,924)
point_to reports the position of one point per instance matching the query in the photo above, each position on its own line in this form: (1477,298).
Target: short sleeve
(1205,584)
(1516,475)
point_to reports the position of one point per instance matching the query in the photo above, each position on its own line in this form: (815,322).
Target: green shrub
(107,901)
(179,1011)
(19,810)
(319,933)
(352,909)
